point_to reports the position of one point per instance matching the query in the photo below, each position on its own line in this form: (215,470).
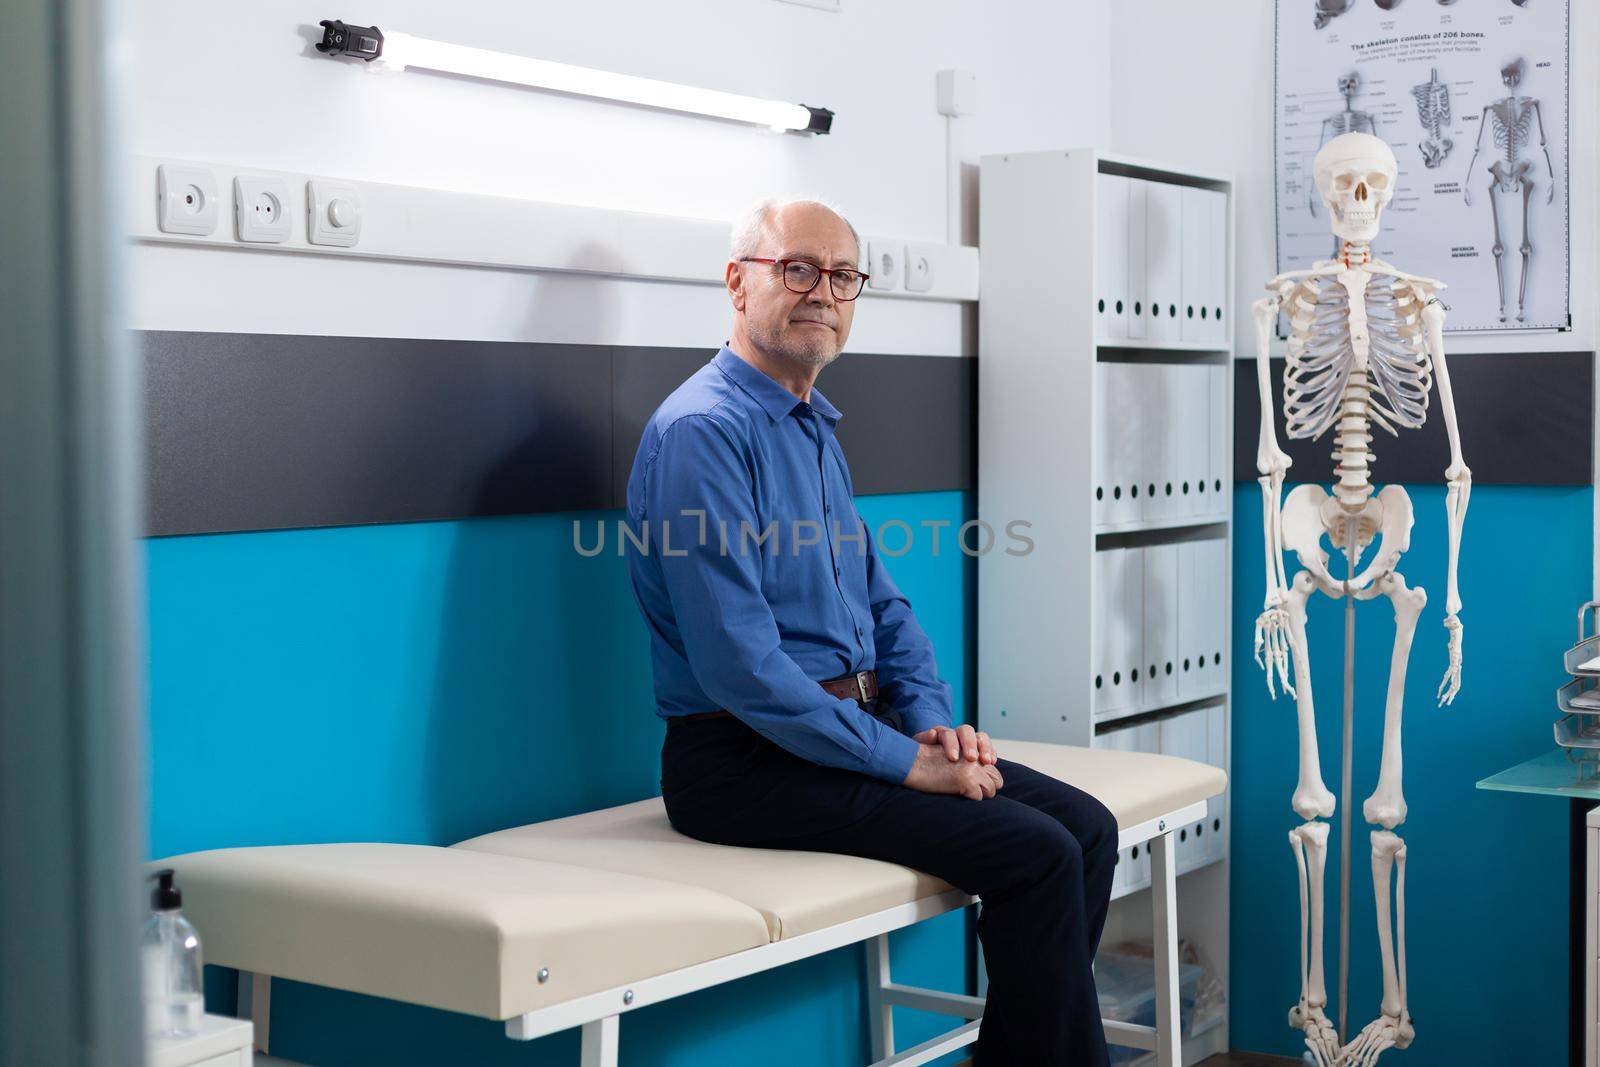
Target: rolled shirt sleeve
(908,677)
(698,503)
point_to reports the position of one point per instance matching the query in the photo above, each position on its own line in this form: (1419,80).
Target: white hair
(750,229)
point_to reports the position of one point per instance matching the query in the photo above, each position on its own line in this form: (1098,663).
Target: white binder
(1158,678)
(1107,649)
(1219,460)
(1217,275)
(1126,415)
(1186,736)
(1167,406)
(1111,256)
(1211,571)
(1215,837)
(1193,309)
(1191,622)
(1190,427)
(1138,310)
(1100,446)
(1163,259)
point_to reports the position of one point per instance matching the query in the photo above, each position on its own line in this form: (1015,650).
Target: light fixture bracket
(340,38)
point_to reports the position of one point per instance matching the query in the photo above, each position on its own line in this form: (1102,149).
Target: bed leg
(880,1014)
(1164,942)
(600,1042)
(254,1002)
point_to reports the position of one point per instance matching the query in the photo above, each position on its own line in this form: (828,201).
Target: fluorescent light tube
(400,51)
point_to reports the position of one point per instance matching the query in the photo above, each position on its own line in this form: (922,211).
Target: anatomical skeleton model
(1513,119)
(1365,341)
(1433,111)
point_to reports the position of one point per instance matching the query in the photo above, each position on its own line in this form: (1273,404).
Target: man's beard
(815,352)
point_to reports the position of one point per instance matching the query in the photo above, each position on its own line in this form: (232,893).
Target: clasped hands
(957,760)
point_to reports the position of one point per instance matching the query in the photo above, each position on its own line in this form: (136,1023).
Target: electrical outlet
(919,267)
(886,261)
(333,213)
(261,209)
(186,200)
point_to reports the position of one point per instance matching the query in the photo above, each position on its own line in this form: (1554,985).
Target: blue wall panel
(428,682)
(1486,882)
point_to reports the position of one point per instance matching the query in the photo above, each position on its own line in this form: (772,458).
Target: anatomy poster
(1472,97)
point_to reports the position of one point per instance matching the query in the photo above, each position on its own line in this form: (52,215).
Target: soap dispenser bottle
(170,956)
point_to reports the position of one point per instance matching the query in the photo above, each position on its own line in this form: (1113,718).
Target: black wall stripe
(276,431)
(1525,419)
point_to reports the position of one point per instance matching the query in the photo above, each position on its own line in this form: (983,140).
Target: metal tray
(1578,731)
(1581,696)
(1582,660)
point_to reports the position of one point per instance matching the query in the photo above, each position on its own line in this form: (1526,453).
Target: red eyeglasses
(801,276)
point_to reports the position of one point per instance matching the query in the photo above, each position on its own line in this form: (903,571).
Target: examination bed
(577,921)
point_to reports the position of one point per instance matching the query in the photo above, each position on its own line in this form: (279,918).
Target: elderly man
(803,706)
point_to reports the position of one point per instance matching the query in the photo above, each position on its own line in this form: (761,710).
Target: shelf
(1122,715)
(1134,344)
(1152,525)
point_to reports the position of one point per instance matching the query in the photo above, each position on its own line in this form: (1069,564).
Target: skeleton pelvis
(1309,513)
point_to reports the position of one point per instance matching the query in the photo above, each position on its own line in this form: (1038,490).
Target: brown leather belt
(861,687)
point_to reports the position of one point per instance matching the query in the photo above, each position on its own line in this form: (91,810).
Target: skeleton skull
(1355,174)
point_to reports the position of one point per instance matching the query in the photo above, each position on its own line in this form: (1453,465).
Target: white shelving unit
(1105,421)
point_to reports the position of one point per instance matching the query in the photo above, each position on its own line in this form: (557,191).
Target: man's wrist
(893,756)
(920,717)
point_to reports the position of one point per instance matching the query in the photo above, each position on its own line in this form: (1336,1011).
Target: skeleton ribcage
(1513,122)
(1321,355)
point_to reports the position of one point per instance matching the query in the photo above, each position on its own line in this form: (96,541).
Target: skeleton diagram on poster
(1472,97)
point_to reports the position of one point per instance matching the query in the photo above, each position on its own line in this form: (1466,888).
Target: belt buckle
(861,685)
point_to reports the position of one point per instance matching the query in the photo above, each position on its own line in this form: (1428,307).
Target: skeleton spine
(1350,453)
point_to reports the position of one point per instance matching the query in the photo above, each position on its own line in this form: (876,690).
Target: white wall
(251,90)
(1192,84)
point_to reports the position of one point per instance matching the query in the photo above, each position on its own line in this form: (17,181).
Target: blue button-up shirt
(757,578)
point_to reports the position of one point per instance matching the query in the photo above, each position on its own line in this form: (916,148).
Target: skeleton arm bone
(1545,146)
(1272,626)
(1466,182)
(1459,478)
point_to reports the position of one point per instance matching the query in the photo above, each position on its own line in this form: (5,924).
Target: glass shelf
(1553,774)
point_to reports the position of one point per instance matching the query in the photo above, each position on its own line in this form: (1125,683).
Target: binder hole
(1100,305)
(1135,851)
(1191,311)
(1116,492)
(1216,658)
(1135,492)
(1099,492)
(1152,670)
(1151,490)
(1217,484)
(1098,681)
(1185,664)
(1169,488)
(1138,307)
(1216,824)
(1169,666)
(1116,677)
(1183,835)
(1201,486)
(1218,315)
(1185,488)
(1199,829)
(1202,312)
(1119,307)
(1155,309)
(1172,311)
(1134,675)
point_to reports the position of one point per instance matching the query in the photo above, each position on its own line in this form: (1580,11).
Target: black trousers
(1039,853)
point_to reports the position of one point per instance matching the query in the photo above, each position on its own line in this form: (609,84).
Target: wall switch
(261,209)
(186,200)
(886,261)
(919,267)
(333,213)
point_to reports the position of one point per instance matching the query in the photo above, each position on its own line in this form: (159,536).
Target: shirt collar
(774,398)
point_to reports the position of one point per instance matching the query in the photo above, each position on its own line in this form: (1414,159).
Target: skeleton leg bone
(1311,798)
(1499,247)
(1386,807)
(1309,1015)
(1393,1028)
(1526,249)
